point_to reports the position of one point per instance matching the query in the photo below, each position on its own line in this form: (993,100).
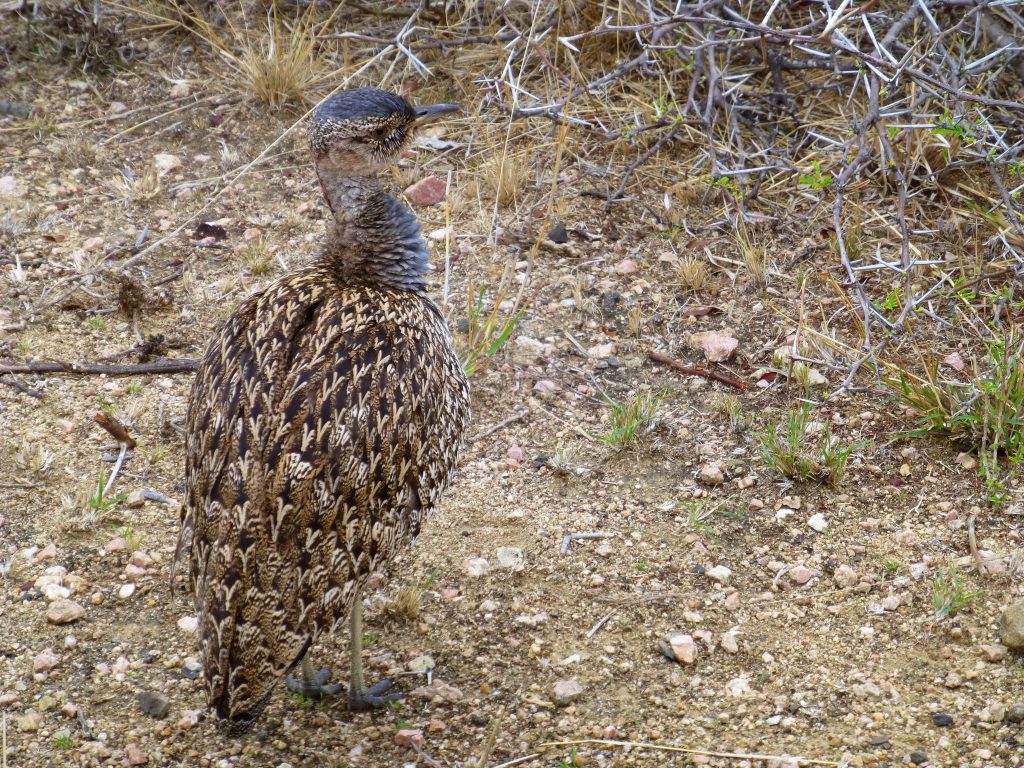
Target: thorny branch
(920,93)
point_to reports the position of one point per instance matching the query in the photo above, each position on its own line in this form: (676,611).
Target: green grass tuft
(789,449)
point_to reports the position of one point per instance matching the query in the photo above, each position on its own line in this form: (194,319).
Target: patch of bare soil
(799,617)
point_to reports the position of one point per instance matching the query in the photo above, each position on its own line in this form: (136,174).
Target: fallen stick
(24,389)
(706,373)
(116,429)
(972,543)
(85,369)
(511,419)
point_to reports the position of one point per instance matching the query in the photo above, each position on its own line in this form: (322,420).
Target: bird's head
(361,131)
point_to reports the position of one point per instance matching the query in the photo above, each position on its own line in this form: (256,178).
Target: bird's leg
(361,698)
(314,683)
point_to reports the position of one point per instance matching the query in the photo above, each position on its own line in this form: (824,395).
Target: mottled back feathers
(324,424)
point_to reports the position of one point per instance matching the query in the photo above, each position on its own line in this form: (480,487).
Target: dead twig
(13,381)
(93,369)
(721,378)
(568,538)
(116,429)
(972,543)
(501,425)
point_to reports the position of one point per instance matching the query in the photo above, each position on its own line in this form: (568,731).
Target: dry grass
(258,258)
(505,176)
(278,61)
(754,257)
(133,188)
(693,273)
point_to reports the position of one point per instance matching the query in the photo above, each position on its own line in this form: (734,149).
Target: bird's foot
(315,688)
(374,697)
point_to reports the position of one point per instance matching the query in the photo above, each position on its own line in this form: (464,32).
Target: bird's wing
(342,423)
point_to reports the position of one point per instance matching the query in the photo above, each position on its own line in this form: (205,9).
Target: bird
(325,421)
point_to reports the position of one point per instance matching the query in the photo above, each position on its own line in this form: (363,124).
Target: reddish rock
(63,611)
(409,736)
(134,756)
(428,191)
(45,661)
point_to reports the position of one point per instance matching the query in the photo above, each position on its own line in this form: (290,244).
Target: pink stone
(427,191)
(409,736)
(134,756)
(801,574)
(47,553)
(141,559)
(133,571)
(45,661)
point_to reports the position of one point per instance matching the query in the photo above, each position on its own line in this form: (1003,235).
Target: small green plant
(570,763)
(643,564)
(816,179)
(98,501)
(97,323)
(949,594)
(486,332)
(985,415)
(948,125)
(629,420)
(891,565)
(156,454)
(62,741)
(791,449)
(369,638)
(695,521)
(730,406)
(562,461)
(258,257)
(132,538)
(304,702)
(134,388)
(893,300)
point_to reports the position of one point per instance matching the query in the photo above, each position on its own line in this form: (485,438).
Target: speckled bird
(325,422)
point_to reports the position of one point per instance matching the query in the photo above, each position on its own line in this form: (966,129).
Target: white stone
(719,573)
(818,522)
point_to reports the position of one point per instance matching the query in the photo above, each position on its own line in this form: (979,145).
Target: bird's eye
(380,134)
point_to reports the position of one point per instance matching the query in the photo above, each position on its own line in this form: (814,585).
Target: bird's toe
(374,697)
(317,688)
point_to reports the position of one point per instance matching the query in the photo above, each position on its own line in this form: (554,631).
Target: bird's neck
(372,238)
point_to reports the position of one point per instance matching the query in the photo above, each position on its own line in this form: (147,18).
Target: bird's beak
(432,112)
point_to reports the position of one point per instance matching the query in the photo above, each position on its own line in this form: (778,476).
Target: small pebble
(718,573)
(558,234)
(126,591)
(565,692)
(942,720)
(427,191)
(64,612)
(1015,714)
(1011,627)
(155,704)
(406,737)
(134,756)
(917,757)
